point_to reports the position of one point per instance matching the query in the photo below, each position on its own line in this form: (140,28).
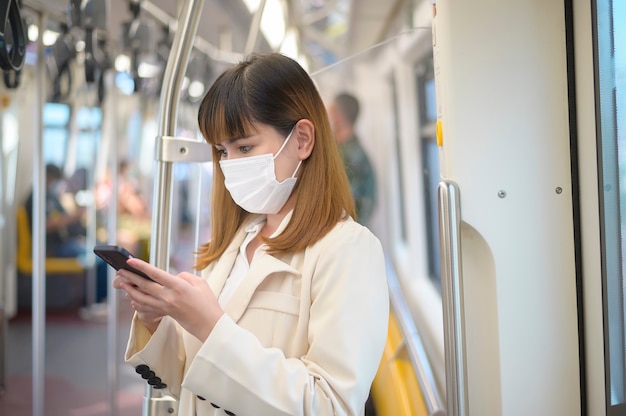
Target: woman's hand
(185,297)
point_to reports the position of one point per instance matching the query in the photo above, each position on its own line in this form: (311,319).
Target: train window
(56,119)
(611,66)
(56,115)
(89,118)
(89,121)
(430,162)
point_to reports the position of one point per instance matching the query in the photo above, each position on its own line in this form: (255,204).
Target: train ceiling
(329,30)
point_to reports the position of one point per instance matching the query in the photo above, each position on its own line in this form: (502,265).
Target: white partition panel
(502,92)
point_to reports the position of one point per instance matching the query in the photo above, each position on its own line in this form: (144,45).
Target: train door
(508,202)
(600,89)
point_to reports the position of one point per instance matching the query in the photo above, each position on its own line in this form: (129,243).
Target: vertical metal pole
(168,105)
(452,294)
(90,233)
(112,295)
(254,28)
(4,260)
(39,235)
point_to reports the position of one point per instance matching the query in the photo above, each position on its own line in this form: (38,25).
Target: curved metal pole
(168,105)
(199,43)
(452,294)
(162,195)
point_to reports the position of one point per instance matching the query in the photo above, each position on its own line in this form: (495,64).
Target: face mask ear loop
(284,143)
(297,167)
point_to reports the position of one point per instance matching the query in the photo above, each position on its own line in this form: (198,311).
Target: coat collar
(263,265)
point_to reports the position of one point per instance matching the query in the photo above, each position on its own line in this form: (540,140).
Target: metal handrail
(162,217)
(39,236)
(415,348)
(254,28)
(199,43)
(168,113)
(452,297)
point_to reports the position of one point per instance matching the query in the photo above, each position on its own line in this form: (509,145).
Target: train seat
(395,390)
(65,277)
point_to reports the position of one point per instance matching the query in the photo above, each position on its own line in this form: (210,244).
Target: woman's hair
(274,90)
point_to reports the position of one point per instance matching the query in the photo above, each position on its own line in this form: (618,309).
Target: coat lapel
(217,275)
(262,266)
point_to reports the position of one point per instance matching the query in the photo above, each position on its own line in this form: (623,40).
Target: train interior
(495,132)
(88,128)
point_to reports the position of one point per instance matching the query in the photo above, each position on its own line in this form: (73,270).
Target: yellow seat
(395,390)
(54,265)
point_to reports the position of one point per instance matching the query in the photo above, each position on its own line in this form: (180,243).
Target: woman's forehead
(244,131)
(221,130)
(232,141)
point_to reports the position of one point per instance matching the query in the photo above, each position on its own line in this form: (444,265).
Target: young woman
(289,316)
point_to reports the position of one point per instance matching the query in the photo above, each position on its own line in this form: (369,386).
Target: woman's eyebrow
(230,141)
(236,139)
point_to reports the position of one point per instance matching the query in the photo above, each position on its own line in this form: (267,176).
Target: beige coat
(302,335)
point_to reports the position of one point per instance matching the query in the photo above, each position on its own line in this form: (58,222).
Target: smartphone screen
(116,257)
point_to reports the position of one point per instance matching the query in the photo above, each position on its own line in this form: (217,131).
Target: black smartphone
(116,257)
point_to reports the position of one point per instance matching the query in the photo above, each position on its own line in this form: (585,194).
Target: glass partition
(611,69)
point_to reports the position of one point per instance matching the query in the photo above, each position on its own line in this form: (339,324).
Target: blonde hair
(273,89)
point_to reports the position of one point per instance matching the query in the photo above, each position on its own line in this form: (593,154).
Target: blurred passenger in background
(343,112)
(134,223)
(65,231)
(130,199)
(133,214)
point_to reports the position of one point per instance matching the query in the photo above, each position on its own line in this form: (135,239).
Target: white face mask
(252,182)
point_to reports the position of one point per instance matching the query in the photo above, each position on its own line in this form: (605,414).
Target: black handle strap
(12,79)
(90,59)
(12,54)
(63,78)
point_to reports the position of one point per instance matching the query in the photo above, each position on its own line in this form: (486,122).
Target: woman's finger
(136,294)
(138,281)
(160,276)
(190,278)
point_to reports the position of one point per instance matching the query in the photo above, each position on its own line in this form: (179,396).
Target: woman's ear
(305,134)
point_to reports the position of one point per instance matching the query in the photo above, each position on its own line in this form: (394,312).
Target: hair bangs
(225,112)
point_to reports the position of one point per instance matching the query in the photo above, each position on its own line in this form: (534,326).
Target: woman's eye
(221,153)
(245,149)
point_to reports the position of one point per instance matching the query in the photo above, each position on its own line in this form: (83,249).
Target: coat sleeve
(346,336)
(146,349)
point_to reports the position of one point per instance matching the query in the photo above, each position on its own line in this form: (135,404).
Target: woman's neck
(274,220)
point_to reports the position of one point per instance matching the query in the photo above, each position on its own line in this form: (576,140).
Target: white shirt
(241,266)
